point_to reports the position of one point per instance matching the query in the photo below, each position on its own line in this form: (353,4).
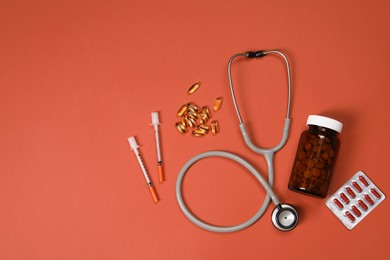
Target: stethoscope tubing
(197,221)
(289,83)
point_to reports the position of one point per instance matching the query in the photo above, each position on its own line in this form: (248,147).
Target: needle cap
(133,143)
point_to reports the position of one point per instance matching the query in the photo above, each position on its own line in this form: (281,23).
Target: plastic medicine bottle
(316,156)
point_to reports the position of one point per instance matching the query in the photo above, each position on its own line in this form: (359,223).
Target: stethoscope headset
(284,216)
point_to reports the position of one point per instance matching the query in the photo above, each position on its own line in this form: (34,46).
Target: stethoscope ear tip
(285,217)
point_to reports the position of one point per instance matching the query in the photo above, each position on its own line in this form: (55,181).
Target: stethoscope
(284,216)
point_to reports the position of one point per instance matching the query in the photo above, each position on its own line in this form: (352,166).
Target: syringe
(155,123)
(134,147)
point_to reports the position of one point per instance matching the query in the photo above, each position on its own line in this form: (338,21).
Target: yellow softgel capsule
(182,110)
(184,122)
(214,127)
(198,132)
(206,128)
(206,110)
(202,117)
(190,122)
(181,128)
(193,106)
(193,88)
(205,117)
(217,104)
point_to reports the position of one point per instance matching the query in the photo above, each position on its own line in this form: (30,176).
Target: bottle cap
(325,122)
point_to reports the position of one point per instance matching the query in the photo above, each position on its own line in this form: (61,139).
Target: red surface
(77,78)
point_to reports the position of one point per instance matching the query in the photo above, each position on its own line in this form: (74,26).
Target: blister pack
(355,200)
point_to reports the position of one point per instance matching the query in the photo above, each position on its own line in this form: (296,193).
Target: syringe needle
(134,147)
(156,123)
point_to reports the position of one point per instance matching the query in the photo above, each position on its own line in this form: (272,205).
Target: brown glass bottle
(316,157)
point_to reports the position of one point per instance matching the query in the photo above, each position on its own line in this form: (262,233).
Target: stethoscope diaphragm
(284,217)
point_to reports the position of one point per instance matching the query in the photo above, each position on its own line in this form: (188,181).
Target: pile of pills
(196,119)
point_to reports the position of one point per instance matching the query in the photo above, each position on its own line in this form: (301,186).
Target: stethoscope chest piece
(285,217)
